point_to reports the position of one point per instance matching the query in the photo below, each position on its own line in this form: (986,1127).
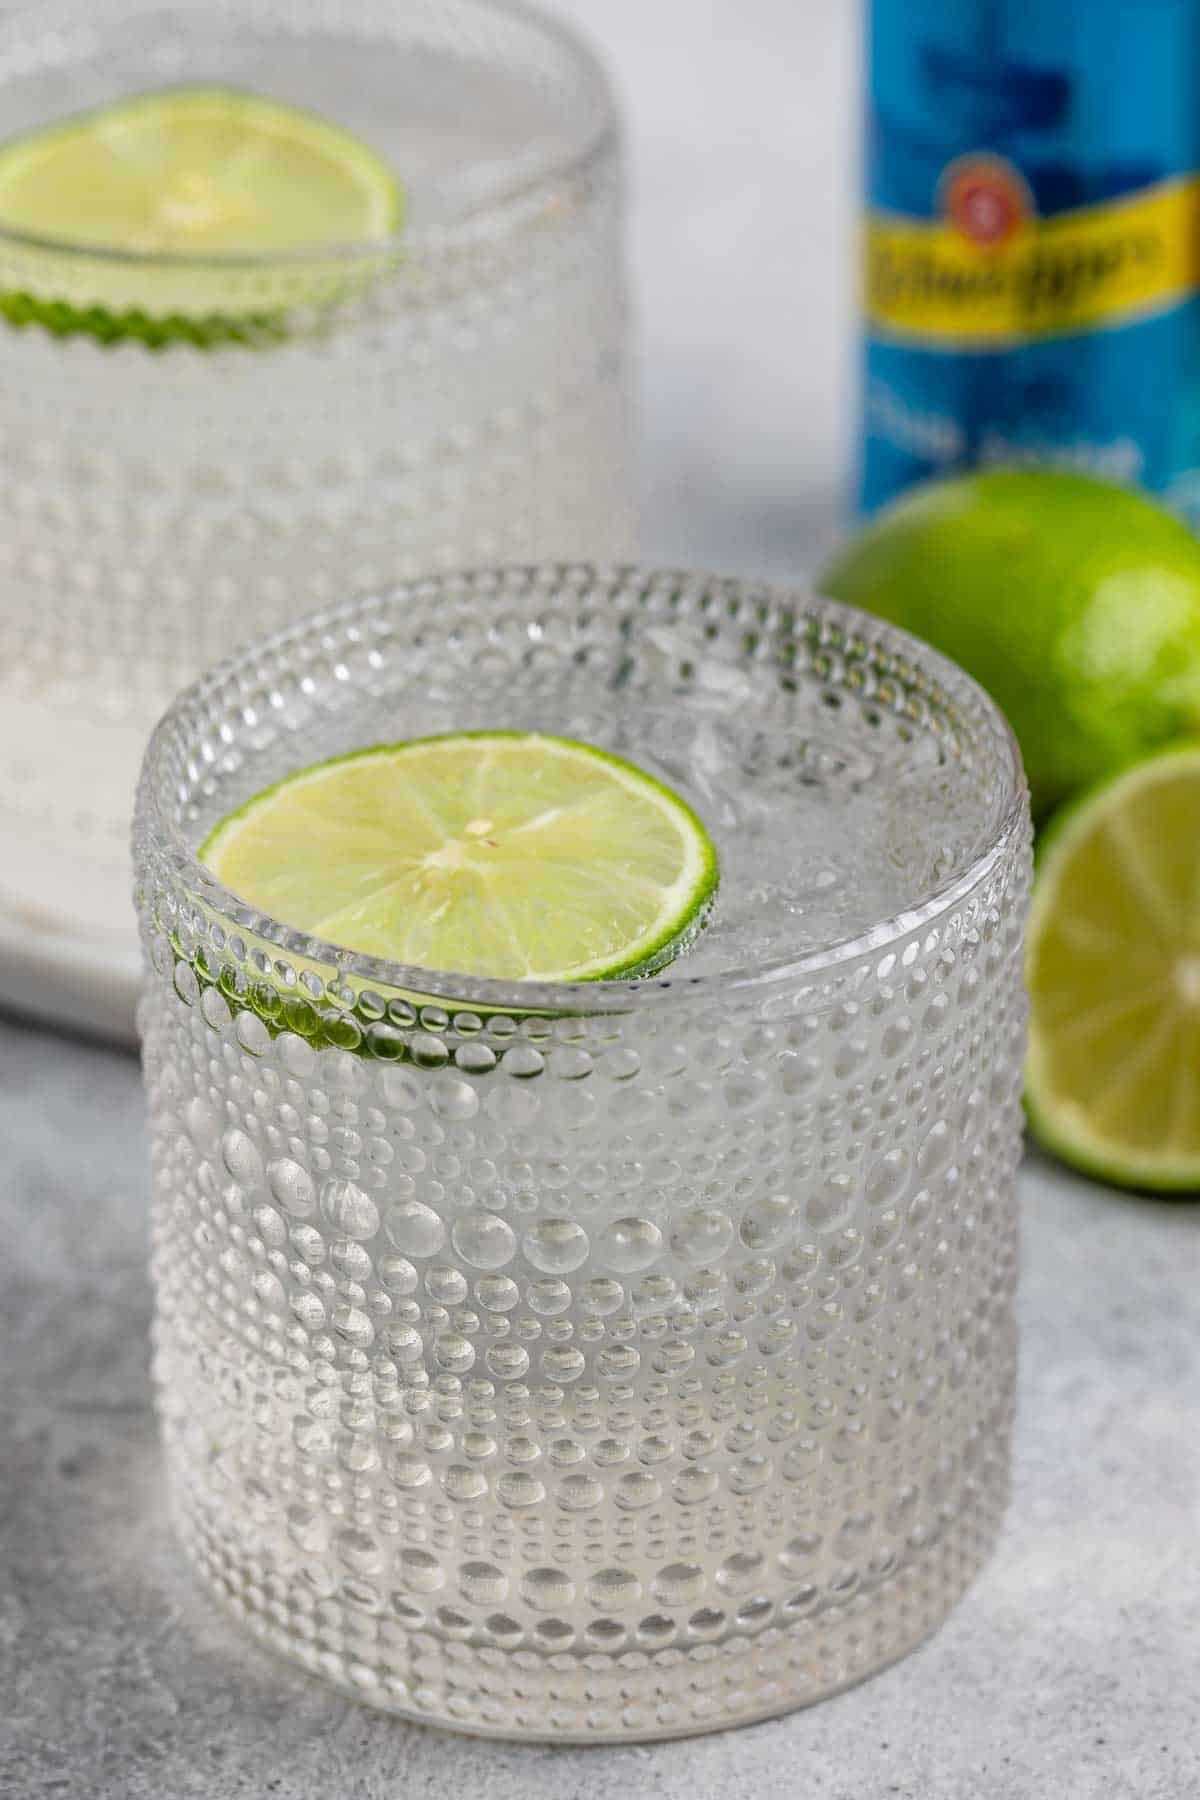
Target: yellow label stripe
(1078,270)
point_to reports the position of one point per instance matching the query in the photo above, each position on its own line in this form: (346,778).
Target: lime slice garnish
(1114,973)
(190,173)
(197,172)
(511,855)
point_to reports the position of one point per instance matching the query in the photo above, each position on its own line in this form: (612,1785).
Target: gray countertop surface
(1072,1668)
(1069,1671)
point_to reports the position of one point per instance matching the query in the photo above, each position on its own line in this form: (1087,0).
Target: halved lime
(505,854)
(1114,973)
(187,173)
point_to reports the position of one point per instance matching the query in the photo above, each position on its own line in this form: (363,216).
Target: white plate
(69,980)
(68,938)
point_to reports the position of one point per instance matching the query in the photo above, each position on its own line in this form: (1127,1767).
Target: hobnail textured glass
(603,1362)
(453,398)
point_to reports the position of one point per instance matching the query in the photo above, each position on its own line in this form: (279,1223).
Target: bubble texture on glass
(618,1369)
(165,498)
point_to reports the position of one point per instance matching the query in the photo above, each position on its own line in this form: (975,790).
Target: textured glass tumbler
(318,423)
(618,1360)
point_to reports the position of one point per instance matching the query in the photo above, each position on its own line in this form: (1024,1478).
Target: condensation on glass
(612,1361)
(454,397)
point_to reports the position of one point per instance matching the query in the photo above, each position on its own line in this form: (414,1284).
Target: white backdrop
(743,119)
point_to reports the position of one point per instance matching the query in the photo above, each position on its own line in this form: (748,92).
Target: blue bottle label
(1032,243)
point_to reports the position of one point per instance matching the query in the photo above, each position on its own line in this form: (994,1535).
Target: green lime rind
(254,331)
(360,1029)
(1059,1122)
(176,293)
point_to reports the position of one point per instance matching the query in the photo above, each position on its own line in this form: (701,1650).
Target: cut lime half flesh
(514,856)
(1114,973)
(130,210)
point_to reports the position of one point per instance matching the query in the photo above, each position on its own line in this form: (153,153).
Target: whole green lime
(1076,604)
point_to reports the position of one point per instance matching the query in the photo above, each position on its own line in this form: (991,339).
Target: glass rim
(490,222)
(475,993)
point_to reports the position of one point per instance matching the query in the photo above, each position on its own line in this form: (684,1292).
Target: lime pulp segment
(515,856)
(1114,974)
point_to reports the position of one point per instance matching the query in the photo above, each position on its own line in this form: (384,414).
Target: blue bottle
(1033,241)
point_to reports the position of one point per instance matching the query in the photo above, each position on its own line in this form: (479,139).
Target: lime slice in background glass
(1114,973)
(188,175)
(499,854)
